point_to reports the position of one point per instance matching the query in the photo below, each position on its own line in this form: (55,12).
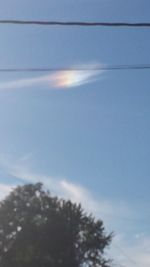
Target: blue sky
(88,142)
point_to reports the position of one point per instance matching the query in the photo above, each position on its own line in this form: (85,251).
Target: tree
(38,230)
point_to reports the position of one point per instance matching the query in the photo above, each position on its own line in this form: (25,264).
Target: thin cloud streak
(20,169)
(58,79)
(17,84)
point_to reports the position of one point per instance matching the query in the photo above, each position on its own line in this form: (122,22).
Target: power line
(95,68)
(75,23)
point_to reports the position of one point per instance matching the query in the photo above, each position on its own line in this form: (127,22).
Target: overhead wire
(95,68)
(75,23)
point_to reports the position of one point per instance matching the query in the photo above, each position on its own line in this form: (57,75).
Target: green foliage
(37,230)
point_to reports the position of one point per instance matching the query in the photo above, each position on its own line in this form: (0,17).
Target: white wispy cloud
(66,79)
(21,83)
(62,187)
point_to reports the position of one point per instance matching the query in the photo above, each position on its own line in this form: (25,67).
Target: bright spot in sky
(73,78)
(68,78)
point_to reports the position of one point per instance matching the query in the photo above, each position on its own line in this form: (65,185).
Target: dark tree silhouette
(38,230)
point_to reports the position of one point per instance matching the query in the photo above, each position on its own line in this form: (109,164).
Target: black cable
(95,68)
(75,23)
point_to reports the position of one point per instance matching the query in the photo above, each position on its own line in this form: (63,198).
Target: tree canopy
(38,230)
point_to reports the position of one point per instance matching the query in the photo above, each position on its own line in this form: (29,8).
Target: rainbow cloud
(75,77)
(64,79)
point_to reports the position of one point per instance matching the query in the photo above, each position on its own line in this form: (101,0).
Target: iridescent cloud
(77,77)
(66,79)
